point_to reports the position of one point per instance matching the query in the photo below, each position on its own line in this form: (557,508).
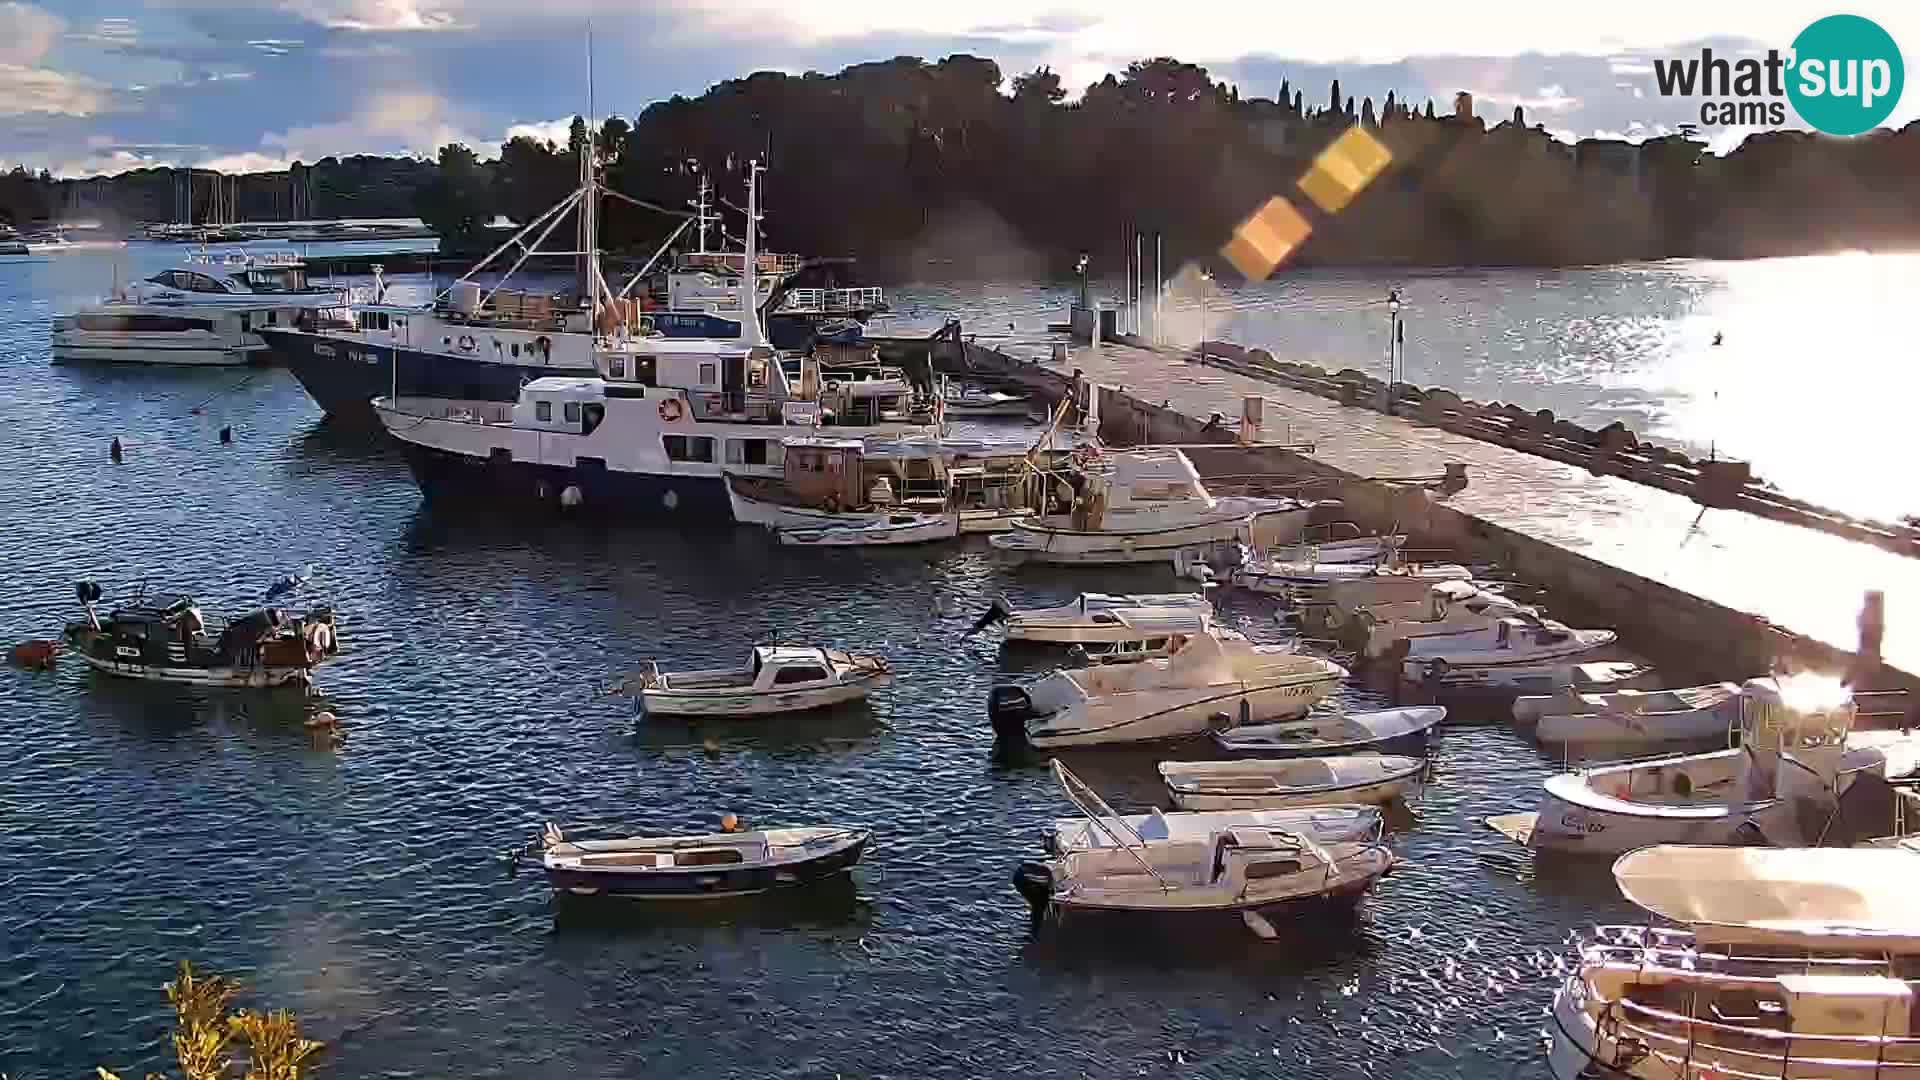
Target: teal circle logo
(1847,75)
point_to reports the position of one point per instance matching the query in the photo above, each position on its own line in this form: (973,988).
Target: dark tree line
(919,167)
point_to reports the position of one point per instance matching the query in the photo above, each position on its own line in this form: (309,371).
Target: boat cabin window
(1272,868)
(144,324)
(746,451)
(688,447)
(709,374)
(644,372)
(571,412)
(708,857)
(1156,643)
(617,367)
(804,673)
(593,413)
(543,410)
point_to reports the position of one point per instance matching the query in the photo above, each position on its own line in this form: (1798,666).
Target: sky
(92,86)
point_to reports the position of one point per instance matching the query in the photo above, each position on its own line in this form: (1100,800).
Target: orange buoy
(729,823)
(37,654)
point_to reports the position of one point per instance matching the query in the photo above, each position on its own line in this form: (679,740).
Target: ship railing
(457,411)
(755,409)
(1709,1044)
(833,301)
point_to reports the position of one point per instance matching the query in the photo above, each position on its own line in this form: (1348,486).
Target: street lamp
(1206,283)
(1393,344)
(1081,269)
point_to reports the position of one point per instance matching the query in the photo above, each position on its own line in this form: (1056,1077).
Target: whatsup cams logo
(1843,76)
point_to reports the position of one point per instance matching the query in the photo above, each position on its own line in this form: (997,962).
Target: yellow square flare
(1344,168)
(1264,239)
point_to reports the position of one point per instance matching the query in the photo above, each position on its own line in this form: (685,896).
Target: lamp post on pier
(1394,357)
(1206,283)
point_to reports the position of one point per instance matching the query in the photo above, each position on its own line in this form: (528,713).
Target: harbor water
(364,887)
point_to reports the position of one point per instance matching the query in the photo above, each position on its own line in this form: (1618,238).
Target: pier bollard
(1720,481)
(1454,479)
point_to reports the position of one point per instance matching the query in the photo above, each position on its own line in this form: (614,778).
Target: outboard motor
(1009,708)
(1034,881)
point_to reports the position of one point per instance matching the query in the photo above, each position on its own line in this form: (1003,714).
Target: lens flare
(1344,168)
(1263,240)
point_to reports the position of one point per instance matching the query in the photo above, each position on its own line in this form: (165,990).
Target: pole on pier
(1159,291)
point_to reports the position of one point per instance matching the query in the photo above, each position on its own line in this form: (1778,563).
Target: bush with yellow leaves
(203,1030)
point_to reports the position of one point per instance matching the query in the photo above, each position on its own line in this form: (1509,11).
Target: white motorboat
(1358,549)
(1145,506)
(777,679)
(1335,607)
(1321,824)
(1597,677)
(1481,659)
(1451,607)
(1797,758)
(1306,581)
(1338,733)
(1240,870)
(155,334)
(1207,682)
(1260,783)
(895,530)
(1098,618)
(710,867)
(237,281)
(1634,716)
(1784,964)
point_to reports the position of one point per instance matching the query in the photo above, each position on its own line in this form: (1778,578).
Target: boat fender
(1220,721)
(1034,882)
(671,410)
(571,496)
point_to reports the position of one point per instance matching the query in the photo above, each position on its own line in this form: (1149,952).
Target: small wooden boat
(1234,870)
(1605,676)
(1359,549)
(168,639)
(1629,716)
(964,401)
(1265,783)
(777,679)
(895,530)
(710,867)
(1317,736)
(1321,824)
(1094,618)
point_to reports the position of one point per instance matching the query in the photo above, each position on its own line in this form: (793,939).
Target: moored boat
(1597,677)
(1633,716)
(1207,682)
(704,867)
(894,530)
(1485,658)
(1095,618)
(1234,870)
(1340,733)
(1321,824)
(776,679)
(169,639)
(1257,783)
(1772,964)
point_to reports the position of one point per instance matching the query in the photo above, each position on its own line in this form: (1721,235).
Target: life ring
(466,343)
(671,410)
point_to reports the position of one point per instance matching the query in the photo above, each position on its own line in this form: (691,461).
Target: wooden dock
(1594,533)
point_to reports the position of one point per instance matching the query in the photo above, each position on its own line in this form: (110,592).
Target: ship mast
(750,334)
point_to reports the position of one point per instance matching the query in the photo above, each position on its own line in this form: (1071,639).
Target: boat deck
(1804,581)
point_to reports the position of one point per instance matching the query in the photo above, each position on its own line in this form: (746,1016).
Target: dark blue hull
(342,376)
(512,486)
(705,883)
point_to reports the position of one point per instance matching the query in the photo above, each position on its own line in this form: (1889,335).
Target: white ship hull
(175,355)
(1152,716)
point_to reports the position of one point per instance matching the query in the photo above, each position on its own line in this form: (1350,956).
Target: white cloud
(387,122)
(25,90)
(27,33)
(553,131)
(378,15)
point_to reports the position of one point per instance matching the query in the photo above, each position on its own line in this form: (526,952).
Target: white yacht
(1772,964)
(1480,658)
(1208,677)
(1101,618)
(1143,506)
(1451,607)
(209,311)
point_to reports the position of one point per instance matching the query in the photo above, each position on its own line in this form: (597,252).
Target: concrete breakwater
(1613,450)
(1710,591)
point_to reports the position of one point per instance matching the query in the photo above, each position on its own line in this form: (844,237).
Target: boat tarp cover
(1830,897)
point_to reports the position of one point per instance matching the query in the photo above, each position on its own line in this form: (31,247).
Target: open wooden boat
(708,867)
(777,679)
(168,639)
(1321,824)
(1265,783)
(1244,870)
(1629,716)
(1346,733)
(894,530)
(1597,677)
(1096,618)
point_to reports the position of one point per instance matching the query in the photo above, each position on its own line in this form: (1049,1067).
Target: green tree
(1041,85)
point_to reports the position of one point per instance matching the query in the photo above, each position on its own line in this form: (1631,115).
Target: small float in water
(169,639)
(1348,733)
(709,867)
(1254,783)
(776,679)
(1234,870)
